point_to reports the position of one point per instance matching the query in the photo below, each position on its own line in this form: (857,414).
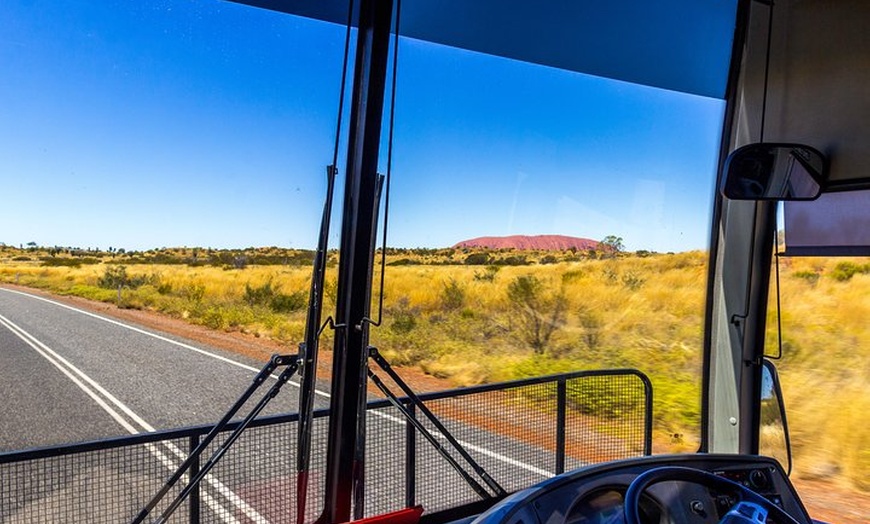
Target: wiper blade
(308,351)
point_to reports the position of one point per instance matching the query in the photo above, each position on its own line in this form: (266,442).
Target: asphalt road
(69,375)
(52,355)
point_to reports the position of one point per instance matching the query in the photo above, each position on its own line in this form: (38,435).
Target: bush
(270,297)
(60,262)
(810,276)
(539,313)
(404,318)
(632,281)
(283,303)
(604,396)
(488,274)
(116,276)
(259,296)
(516,260)
(846,270)
(452,295)
(477,259)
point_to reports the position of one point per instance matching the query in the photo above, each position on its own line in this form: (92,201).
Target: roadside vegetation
(472,316)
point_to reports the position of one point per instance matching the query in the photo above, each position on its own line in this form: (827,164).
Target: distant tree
(612,244)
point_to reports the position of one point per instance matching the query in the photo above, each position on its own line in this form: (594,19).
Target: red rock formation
(537,242)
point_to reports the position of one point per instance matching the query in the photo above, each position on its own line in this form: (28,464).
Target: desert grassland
(825,369)
(476,323)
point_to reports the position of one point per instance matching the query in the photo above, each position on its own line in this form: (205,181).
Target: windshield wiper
(305,362)
(415,401)
(288,361)
(308,352)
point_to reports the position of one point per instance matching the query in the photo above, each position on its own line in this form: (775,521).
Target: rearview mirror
(774,172)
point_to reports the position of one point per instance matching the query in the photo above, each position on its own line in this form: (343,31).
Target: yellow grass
(637,312)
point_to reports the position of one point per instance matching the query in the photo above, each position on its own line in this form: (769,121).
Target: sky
(141,125)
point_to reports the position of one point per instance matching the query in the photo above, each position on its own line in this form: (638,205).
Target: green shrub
(632,281)
(283,303)
(116,276)
(259,296)
(846,270)
(488,274)
(452,295)
(404,317)
(477,259)
(270,297)
(810,276)
(603,397)
(403,262)
(538,312)
(68,262)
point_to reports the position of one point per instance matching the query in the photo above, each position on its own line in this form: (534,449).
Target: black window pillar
(357,255)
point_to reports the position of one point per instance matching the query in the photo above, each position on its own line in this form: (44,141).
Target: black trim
(855,184)
(345,456)
(561,411)
(827,251)
(763,237)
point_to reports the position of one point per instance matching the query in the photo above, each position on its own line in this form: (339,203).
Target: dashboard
(596,494)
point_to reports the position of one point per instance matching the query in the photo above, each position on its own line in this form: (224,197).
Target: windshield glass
(166,178)
(166,163)
(546,221)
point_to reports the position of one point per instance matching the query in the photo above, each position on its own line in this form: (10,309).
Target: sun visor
(837,224)
(680,45)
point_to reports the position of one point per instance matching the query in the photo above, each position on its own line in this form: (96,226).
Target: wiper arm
(442,450)
(291,362)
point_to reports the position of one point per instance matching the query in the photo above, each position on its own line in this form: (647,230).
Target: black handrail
(268,420)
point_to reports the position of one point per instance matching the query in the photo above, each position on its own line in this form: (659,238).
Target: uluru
(533,242)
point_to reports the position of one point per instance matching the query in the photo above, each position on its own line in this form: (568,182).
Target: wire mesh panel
(519,433)
(606,418)
(256,478)
(504,436)
(108,485)
(385,466)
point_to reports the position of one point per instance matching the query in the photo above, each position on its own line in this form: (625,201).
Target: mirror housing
(774,172)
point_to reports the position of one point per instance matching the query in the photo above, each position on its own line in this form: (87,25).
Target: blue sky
(141,125)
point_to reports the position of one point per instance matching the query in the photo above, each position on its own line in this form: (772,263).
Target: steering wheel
(631,507)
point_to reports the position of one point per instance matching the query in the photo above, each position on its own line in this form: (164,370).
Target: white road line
(468,445)
(484,451)
(150,334)
(92,388)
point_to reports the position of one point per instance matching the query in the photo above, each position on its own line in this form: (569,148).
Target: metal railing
(521,432)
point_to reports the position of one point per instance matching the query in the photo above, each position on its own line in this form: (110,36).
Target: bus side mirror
(774,172)
(773,438)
